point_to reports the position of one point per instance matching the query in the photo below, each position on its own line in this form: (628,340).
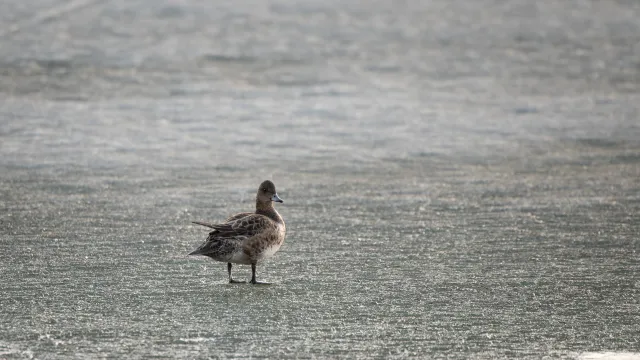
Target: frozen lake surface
(461,179)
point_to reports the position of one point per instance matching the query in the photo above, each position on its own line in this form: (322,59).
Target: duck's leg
(253,276)
(231,281)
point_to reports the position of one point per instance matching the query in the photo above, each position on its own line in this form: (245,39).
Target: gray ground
(461,179)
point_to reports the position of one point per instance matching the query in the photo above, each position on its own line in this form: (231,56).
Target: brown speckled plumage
(247,238)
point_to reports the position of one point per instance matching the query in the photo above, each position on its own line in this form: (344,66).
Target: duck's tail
(203,224)
(199,250)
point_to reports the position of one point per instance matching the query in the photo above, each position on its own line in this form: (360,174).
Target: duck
(247,238)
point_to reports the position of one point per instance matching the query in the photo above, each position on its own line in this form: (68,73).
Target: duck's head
(267,193)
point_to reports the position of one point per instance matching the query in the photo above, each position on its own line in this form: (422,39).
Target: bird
(248,237)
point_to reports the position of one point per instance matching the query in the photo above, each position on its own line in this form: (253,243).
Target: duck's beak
(276,198)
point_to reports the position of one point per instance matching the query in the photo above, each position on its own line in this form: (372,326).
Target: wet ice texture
(461,179)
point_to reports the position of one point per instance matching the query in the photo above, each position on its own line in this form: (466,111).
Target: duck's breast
(239,257)
(266,244)
(269,251)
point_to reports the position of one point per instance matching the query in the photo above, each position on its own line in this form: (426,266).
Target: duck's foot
(231,281)
(253,276)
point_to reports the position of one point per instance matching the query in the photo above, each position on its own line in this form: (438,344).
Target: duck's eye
(264,189)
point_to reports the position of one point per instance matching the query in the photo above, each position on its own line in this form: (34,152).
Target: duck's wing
(238,216)
(242,227)
(231,233)
(231,218)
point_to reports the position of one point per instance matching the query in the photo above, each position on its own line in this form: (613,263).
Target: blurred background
(461,178)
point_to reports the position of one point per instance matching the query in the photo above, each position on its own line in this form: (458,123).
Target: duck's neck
(268,210)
